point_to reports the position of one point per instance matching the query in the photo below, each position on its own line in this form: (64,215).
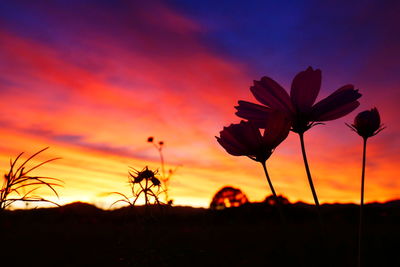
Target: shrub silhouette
(271,200)
(228,197)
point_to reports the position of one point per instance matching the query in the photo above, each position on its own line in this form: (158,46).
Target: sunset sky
(93,79)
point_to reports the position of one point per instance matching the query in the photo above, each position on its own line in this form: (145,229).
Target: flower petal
(338,104)
(376,118)
(250,135)
(305,89)
(229,148)
(253,112)
(277,128)
(229,142)
(338,112)
(271,94)
(242,139)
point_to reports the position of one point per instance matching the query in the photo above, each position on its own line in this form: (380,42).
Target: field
(79,234)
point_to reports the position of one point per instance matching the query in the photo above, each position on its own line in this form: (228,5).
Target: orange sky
(94,91)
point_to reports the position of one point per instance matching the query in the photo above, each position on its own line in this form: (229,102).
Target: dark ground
(79,234)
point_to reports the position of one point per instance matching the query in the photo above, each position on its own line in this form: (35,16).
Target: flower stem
(145,193)
(278,202)
(310,181)
(303,150)
(164,178)
(362,200)
(162,162)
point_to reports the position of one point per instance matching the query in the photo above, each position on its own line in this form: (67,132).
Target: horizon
(94,81)
(46,205)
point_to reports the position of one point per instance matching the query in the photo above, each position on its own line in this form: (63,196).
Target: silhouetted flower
(155,181)
(146,173)
(299,106)
(245,139)
(143,174)
(142,183)
(150,139)
(367,123)
(136,179)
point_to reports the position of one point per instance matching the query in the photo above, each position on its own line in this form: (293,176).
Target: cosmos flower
(145,174)
(299,106)
(245,138)
(367,123)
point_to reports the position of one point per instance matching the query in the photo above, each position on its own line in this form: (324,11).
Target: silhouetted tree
(270,200)
(228,197)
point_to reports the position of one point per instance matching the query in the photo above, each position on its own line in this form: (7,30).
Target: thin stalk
(159,148)
(362,200)
(162,162)
(145,193)
(164,178)
(310,181)
(278,202)
(323,236)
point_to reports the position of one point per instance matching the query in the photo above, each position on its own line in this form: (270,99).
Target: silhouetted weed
(144,183)
(18,178)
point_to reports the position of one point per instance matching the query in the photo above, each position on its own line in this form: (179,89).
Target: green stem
(362,200)
(278,202)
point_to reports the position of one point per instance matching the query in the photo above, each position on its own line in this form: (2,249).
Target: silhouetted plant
(366,124)
(144,183)
(299,107)
(18,178)
(245,139)
(270,200)
(165,178)
(228,197)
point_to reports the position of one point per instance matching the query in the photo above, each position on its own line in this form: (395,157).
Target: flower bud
(367,123)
